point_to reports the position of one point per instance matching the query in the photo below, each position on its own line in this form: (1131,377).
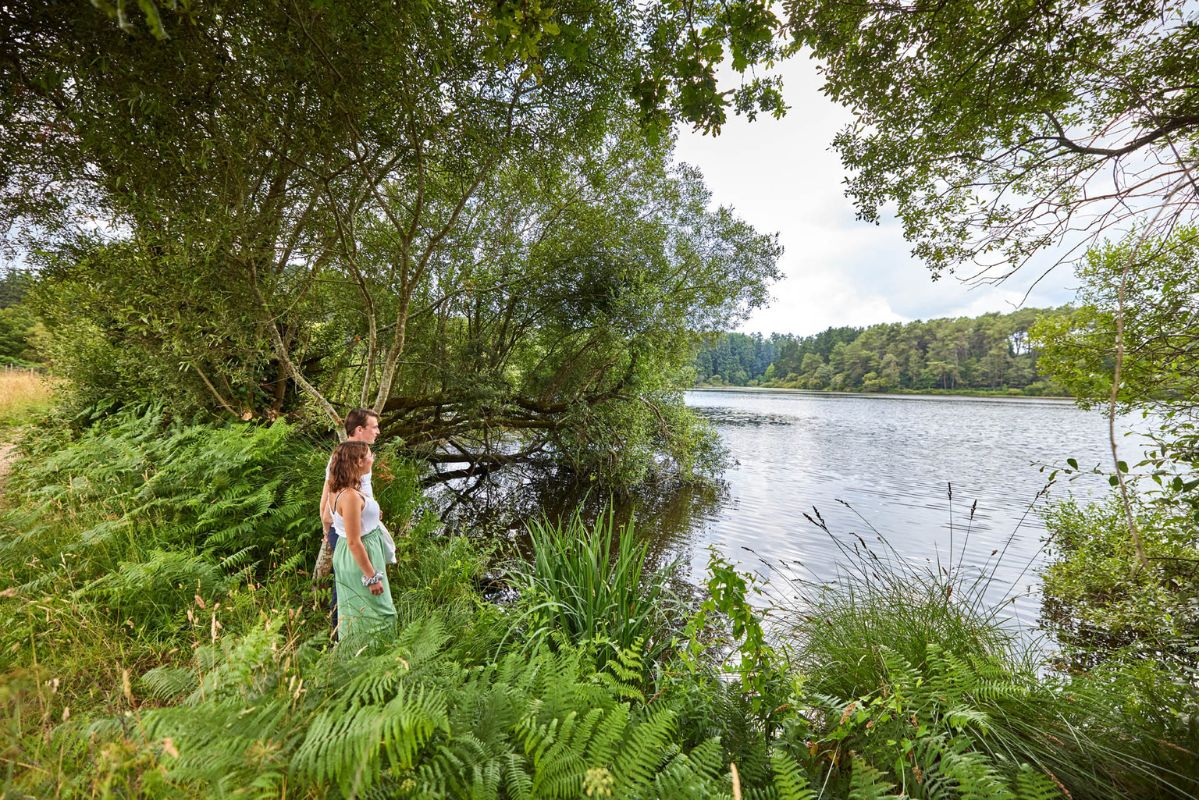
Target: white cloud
(782,175)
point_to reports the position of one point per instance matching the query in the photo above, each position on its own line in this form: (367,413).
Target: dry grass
(23,394)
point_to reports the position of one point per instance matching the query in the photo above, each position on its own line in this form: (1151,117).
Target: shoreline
(911,395)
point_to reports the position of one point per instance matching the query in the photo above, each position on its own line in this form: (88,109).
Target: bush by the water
(160,638)
(1102,604)
(922,657)
(594,582)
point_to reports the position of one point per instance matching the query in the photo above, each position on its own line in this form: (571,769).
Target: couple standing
(360,545)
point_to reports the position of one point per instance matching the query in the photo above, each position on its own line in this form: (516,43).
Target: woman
(364,597)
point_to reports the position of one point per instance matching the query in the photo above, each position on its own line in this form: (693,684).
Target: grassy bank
(160,638)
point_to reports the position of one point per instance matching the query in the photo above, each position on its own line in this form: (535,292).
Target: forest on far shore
(991,352)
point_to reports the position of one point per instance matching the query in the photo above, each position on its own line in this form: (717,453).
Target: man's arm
(326,511)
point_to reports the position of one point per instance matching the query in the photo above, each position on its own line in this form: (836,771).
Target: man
(362,425)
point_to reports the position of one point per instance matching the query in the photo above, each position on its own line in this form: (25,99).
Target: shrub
(1100,602)
(242,494)
(409,720)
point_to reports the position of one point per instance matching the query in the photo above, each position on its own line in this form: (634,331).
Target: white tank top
(370,515)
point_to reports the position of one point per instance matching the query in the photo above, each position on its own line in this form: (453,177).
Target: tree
(1160,327)
(671,73)
(432,213)
(811,372)
(889,372)
(1145,300)
(1002,129)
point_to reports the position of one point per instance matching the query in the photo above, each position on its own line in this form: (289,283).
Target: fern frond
(868,783)
(1033,785)
(643,750)
(788,778)
(168,683)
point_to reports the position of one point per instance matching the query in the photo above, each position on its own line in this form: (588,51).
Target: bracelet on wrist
(374,579)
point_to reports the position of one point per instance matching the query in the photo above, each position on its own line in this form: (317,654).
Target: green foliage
(1099,602)
(917,673)
(789,780)
(534,267)
(985,123)
(150,593)
(594,584)
(676,69)
(758,667)
(1109,608)
(413,720)
(241,495)
(1160,326)
(19,328)
(14,285)
(148,666)
(19,331)
(1152,289)
(987,353)
(147,520)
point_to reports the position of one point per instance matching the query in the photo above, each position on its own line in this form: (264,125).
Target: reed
(594,583)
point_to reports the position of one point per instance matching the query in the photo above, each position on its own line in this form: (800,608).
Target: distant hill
(990,353)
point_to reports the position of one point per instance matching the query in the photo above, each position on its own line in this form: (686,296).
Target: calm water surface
(891,459)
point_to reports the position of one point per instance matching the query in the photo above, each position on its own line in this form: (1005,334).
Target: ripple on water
(891,459)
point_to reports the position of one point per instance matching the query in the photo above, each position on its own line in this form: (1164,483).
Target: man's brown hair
(358,419)
(345,469)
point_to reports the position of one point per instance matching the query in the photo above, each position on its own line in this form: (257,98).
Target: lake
(890,458)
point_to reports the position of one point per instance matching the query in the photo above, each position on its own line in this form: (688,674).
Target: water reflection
(668,515)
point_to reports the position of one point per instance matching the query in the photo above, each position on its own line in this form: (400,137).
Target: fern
(868,783)
(643,750)
(973,775)
(623,674)
(1032,785)
(789,780)
(168,683)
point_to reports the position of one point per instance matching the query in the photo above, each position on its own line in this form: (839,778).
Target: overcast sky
(782,175)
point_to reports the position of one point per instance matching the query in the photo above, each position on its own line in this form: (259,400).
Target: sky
(783,176)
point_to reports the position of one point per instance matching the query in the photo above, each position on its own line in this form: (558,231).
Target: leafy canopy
(1003,128)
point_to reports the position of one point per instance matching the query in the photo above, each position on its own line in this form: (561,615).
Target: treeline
(990,352)
(19,326)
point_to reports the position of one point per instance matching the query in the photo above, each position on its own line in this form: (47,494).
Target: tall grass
(595,582)
(890,639)
(881,599)
(24,394)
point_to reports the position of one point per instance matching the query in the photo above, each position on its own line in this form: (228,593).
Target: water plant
(595,583)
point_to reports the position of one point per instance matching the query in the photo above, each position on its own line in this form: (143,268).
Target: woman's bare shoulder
(349,499)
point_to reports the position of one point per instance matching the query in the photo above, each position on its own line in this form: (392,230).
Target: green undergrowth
(160,637)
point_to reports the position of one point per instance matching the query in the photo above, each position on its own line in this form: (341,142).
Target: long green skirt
(361,613)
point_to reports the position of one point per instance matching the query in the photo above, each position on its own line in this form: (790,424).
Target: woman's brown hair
(346,467)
